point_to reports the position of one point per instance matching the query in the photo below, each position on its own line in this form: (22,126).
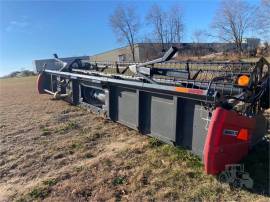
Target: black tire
(222,177)
(237,183)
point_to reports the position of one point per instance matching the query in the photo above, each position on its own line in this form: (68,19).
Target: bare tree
(157,18)
(167,26)
(199,35)
(262,19)
(175,24)
(232,21)
(125,24)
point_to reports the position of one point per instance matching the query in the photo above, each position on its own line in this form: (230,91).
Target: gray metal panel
(127,106)
(192,125)
(145,111)
(163,117)
(158,116)
(52,64)
(164,114)
(200,127)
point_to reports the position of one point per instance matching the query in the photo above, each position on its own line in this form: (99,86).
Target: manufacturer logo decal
(230,132)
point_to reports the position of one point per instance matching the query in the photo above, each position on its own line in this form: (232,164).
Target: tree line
(232,22)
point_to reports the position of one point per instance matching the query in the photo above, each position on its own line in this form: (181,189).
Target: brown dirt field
(52,151)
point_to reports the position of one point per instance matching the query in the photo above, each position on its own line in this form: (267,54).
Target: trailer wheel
(222,177)
(40,83)
(237,183)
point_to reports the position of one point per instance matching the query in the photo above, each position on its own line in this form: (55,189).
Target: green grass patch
(204,192)
(154,142)
(79,168)
(108,162)
(70,125)
(118,181)
(45,131)
(50,182)
(194,174)
(39,193)
(93,136)
(180,154)
(76,145)
(88,155)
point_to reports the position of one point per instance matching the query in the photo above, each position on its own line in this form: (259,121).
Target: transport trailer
(212,109)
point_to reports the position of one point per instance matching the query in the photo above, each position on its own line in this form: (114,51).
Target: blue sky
(36,29)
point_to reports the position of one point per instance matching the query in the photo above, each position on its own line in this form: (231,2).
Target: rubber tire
(237,183)
(222,177)
(40,83)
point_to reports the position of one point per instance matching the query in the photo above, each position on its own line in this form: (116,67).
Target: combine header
(210,108)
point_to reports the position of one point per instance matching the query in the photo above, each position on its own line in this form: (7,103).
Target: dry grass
(53,151)
(255,59)
(221,57)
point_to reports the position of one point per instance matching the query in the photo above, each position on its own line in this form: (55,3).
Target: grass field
(53,151)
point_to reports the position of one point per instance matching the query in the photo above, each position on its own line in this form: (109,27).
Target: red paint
(197,91)
(221,149)
(243,135)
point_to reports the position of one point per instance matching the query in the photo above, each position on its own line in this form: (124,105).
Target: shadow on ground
(257,165)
